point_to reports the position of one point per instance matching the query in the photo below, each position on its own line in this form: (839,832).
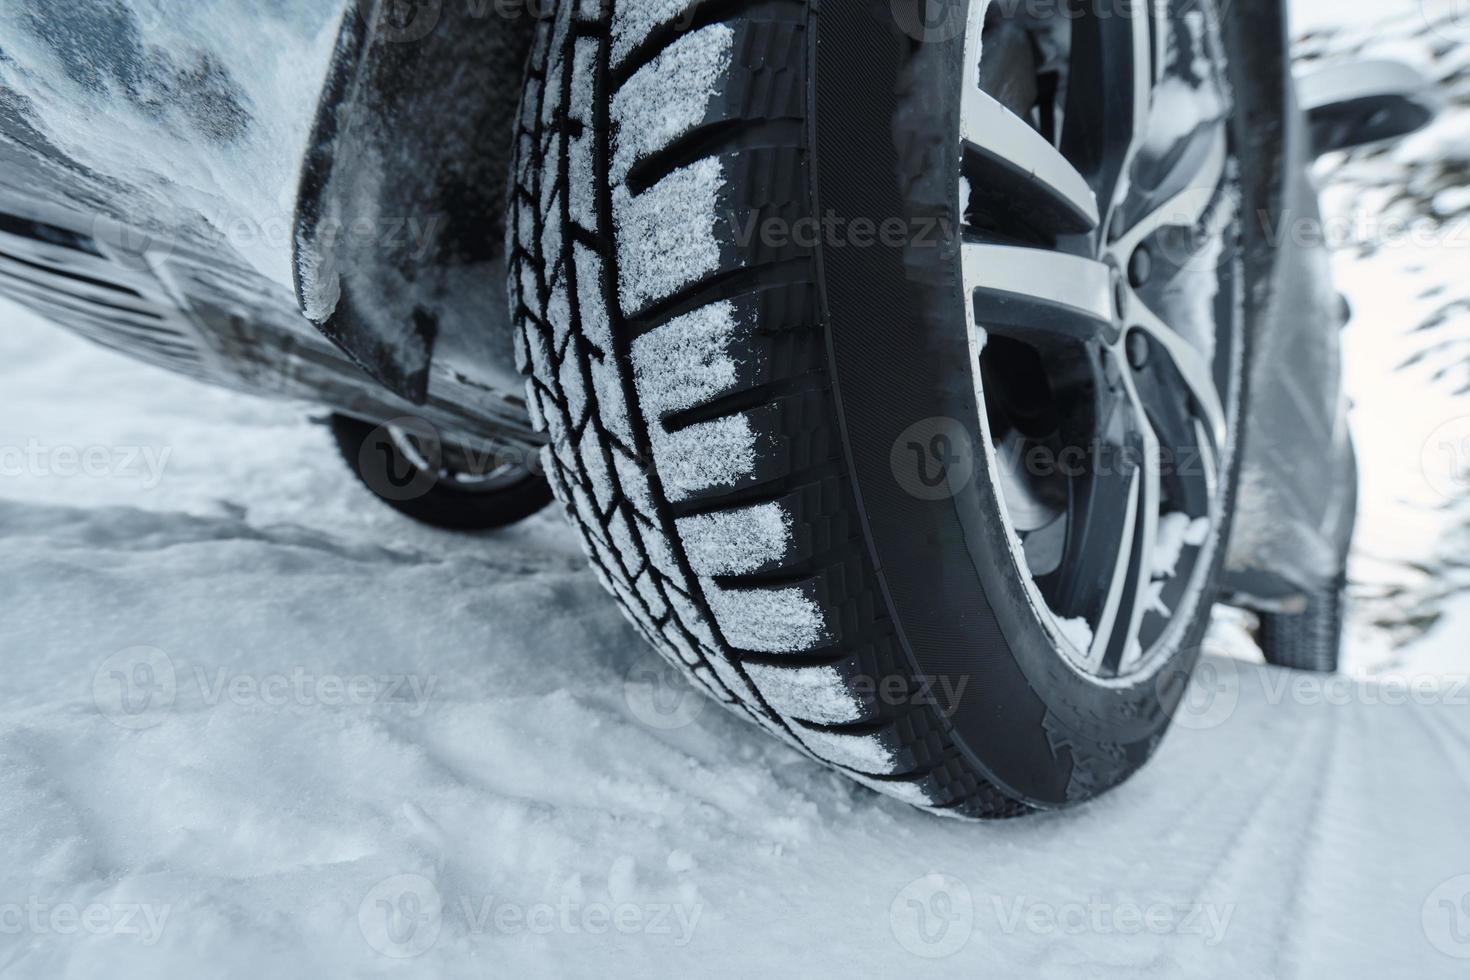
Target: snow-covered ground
(254,723)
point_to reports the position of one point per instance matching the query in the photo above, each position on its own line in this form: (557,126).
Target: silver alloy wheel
(470,471)
(1086,287)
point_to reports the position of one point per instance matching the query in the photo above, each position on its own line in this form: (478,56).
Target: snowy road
(346,709)
(252,723)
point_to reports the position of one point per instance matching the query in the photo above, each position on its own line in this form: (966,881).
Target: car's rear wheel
(406,464)
(893,366)
(1311,639)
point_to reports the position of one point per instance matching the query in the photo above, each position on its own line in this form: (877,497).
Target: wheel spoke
(1159,17)
(1023,159)
(1092,579)
(1015,156)
(1193,368)
(974,31)
(1036,289)
(1139,579)
(1109,97)
(1141,87)
(1102,636)
(1185,208)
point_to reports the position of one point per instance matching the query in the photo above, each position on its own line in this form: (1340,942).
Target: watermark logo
(933,459)
(1446,917)
(303,689)
(149,14)
(135,688)
(933,916)
(131,245)
(1450,19)
(1204,698)
(931,21)
(39,917)
(659,696)
(1445,459)
(387,468)
(1363,228)
(1208,922)
(401,21)
(144,465)
(138,687)
(401,916)
(1210,697)
(840,231)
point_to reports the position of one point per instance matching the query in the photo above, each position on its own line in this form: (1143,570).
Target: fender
(404,157)
(399,230)
(1296,505)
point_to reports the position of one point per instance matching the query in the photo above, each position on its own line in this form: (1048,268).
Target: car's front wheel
(893,366)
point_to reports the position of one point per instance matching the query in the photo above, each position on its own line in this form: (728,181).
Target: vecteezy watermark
(1356,228)
(1204,698)
(659,695)
(1102,458)
(1208,698)
(1208,921)
(410,236)
(933,459)
(304,689)
(136,688)
(402,917)
(142,464)
(1450,19)
(39,917)
(1193,237)
(1445,459)
(931,21)
(839,231)
(933,916)
(941,692)
(1446,917)
(401,21)
(401,460)
(405,458)
(134,235)
(1390,690)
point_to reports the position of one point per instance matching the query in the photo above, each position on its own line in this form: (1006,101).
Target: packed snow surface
(253,723)
(253,720)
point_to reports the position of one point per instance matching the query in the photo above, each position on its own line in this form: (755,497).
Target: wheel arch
(399,227)
(1289,536)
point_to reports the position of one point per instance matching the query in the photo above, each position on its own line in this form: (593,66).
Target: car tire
(766,425)
(434,495)
(1310,640)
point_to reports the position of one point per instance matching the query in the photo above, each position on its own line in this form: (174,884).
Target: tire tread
(603,461)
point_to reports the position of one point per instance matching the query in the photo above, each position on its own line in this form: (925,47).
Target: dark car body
(384,163)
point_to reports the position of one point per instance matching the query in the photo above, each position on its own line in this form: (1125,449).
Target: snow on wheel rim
(1115,547)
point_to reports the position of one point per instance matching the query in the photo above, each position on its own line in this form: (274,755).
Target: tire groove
(939,766)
